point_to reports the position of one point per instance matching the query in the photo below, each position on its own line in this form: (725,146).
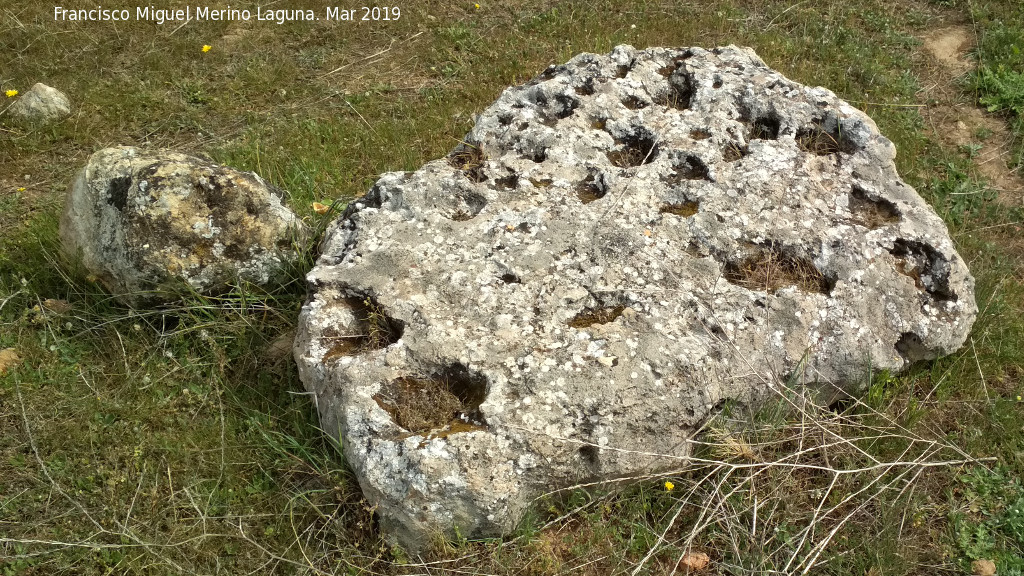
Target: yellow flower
(22,189)
(477,6)
(11,93)
(669,486)
(207,48)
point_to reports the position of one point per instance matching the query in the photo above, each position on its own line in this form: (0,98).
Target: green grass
(999,78)
(180,440)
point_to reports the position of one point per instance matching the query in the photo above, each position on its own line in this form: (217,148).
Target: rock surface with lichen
(148,223)
(41,104)
(620,246)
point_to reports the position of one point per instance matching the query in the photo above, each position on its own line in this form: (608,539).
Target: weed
(999,78)
(991,524)
(957,196)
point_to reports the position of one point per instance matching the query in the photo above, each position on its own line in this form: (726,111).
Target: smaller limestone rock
(8,359)
(143,221)
(41,104)
(983,568)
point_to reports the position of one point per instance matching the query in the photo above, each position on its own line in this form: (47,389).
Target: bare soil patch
(954,120)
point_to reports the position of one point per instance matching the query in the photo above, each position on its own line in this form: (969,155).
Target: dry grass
(420,404)
(588,318)
(469,158)
(770,270)
(685,209)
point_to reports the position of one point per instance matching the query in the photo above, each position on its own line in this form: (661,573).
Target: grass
(999,78)
(180,440)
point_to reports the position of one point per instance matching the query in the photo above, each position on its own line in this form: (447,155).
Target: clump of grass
(373,329)
(441,404)
(817,141)
(733,152)
(420,404)
(771,269)
(469,158)
(772,494)
(872,212)
(588,318)
(684,209)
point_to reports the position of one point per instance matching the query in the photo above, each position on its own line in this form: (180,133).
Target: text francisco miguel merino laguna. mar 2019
(205,13)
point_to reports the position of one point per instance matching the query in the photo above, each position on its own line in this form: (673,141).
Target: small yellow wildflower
(207,48)
(22,189)
(11,93)
(669,486)
(477,6)
(1019,398)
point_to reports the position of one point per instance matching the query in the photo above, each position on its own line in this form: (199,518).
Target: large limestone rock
(145,222)
(41,104)
(620,246)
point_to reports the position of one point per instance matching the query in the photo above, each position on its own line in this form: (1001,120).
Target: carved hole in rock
(680,93)
(510,278)
(634,103)
(685,209)
(765,127)
(551,71)
(469,158)
(700,134)
(537,156)
(505,119)
(717,82)
(250,206)
(566,106)
(770,269)
(591,188)
(911,349)
(373,329)
(689,167)
(585,89)
(510,182)
(588,318)
(667,69)
(634,149)
(598,123)
(816,140)
(841,404)
(589,454)
(467,205)
(621,70)
(117,192)
(448,400)
(733,152)
(871,212)
(925,266)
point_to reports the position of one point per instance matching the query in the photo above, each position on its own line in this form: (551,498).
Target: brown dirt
(955,120)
